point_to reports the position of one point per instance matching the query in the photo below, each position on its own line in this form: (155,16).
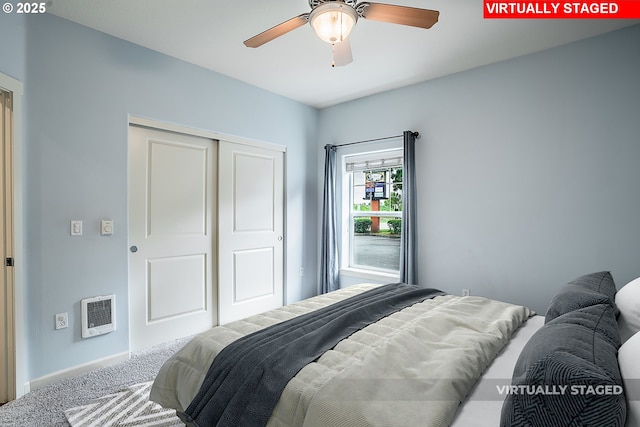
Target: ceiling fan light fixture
(333,21)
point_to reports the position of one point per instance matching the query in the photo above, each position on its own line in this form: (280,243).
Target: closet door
(172,235)
(250,230)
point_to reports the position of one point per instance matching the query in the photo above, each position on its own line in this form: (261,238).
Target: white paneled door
(172,235)
(251,230)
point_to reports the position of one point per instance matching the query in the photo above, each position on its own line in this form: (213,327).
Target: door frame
(154,124)
(171,127)
(17,364)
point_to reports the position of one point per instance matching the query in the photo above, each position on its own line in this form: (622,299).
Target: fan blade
(403,15)
(277,31)
(342,53)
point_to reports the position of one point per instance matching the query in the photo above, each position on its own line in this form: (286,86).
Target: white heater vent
(98,315)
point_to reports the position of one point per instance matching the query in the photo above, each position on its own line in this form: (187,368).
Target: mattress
(414,366)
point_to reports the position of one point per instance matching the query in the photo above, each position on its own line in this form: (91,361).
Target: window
(374,211)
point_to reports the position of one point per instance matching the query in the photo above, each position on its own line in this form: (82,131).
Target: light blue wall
(80,87)
(528,169)
(12,45)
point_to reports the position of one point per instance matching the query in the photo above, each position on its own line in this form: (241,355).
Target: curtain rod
(415,134)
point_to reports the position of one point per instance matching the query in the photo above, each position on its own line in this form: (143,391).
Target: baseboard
(53,377)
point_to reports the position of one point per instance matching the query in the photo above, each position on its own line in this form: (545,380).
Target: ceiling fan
(333,21)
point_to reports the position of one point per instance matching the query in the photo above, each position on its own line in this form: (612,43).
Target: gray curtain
(408,234)
(329,275)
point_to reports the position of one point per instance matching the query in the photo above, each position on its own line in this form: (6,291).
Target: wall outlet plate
(76,227)
(62,320)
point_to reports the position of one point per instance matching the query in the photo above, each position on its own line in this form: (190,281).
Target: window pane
(375,239)
(376,251)
(360,201)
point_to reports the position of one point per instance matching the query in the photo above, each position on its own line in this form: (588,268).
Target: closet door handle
(279,238)
(133,249)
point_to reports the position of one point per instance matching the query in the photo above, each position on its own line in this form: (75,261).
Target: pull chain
(333,55)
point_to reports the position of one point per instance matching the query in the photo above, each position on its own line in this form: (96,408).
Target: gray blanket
(246,379)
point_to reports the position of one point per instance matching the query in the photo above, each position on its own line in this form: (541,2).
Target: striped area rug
(129,407)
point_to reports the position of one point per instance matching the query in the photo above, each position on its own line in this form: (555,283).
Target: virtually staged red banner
(621,9)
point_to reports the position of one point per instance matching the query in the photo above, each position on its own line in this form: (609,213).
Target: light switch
(76,228)
(106,227)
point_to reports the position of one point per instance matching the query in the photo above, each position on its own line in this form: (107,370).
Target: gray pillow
(601,281)
(585,291)
(559,363)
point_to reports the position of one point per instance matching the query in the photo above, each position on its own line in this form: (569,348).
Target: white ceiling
(210,33)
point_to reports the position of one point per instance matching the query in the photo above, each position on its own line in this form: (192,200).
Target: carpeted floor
(44,407)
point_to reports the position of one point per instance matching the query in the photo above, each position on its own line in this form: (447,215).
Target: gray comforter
(411,368)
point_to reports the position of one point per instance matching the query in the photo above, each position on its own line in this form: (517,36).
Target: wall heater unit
(98,315)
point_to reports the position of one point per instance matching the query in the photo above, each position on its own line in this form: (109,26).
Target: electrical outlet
(76,227)
(62,320)
(301,271)
(466,292)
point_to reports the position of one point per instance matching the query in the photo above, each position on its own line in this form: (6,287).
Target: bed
(445,360)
